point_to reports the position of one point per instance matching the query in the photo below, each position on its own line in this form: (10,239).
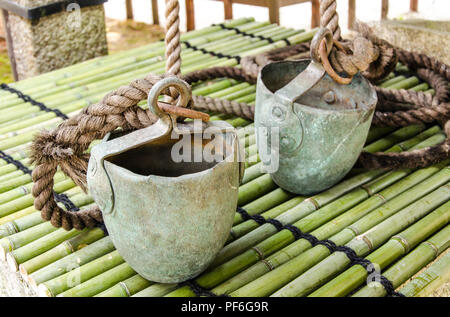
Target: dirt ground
(124,35)
(5,67)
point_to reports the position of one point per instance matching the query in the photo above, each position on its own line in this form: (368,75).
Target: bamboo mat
(398,220)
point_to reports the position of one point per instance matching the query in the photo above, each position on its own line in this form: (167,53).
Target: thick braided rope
(329,18)
(66,147)
(173,44)
(359,54)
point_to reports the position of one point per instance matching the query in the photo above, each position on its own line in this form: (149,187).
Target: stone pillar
(423,36)
(57,40)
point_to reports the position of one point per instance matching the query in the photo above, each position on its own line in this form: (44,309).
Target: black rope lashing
(330,245)
(370,269)
(261,37)
(212,53)
(65,200)
(200,291)
(246,216)
(62,198)
(10,160)
(27,98)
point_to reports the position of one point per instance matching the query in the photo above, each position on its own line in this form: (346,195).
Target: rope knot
(46,149)
(355,57)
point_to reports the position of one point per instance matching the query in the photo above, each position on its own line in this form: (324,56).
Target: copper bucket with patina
(168,217)
(310,130)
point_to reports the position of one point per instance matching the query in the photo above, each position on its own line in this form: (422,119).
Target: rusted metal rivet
(329,97)
(287,141)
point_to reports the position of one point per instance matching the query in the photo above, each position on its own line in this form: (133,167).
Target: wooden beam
(129,5)
(351,13)
(315,13)
(9,42)
(155,12)
(414,5)
(384,9)
(2,29)
(190,15)
(228,8)
(274,11)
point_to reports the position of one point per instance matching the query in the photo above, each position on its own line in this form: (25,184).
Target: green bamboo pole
(397,246)
(335,263)
(377,199)
(100,282)
(65,248)
(126,288)
(311,204)
(221,273)
(426,252)
(252,172)
(255,188)
(28,199)
(79,274)
(429,280)
(21,238)
(245,227)
(420,87)
(408,83)
(156,290)
(268,201)
(390,82)
(16,156)
(20,224)
(6,167)
(39,246)
(385,79)
(9,173)
(81,257)
(27,221)
(22,190)
(290,262)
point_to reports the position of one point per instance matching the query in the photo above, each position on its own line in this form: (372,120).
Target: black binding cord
(330,245)
(27,98)
(261,37)
(212,53)
(200,291)
(62,198)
